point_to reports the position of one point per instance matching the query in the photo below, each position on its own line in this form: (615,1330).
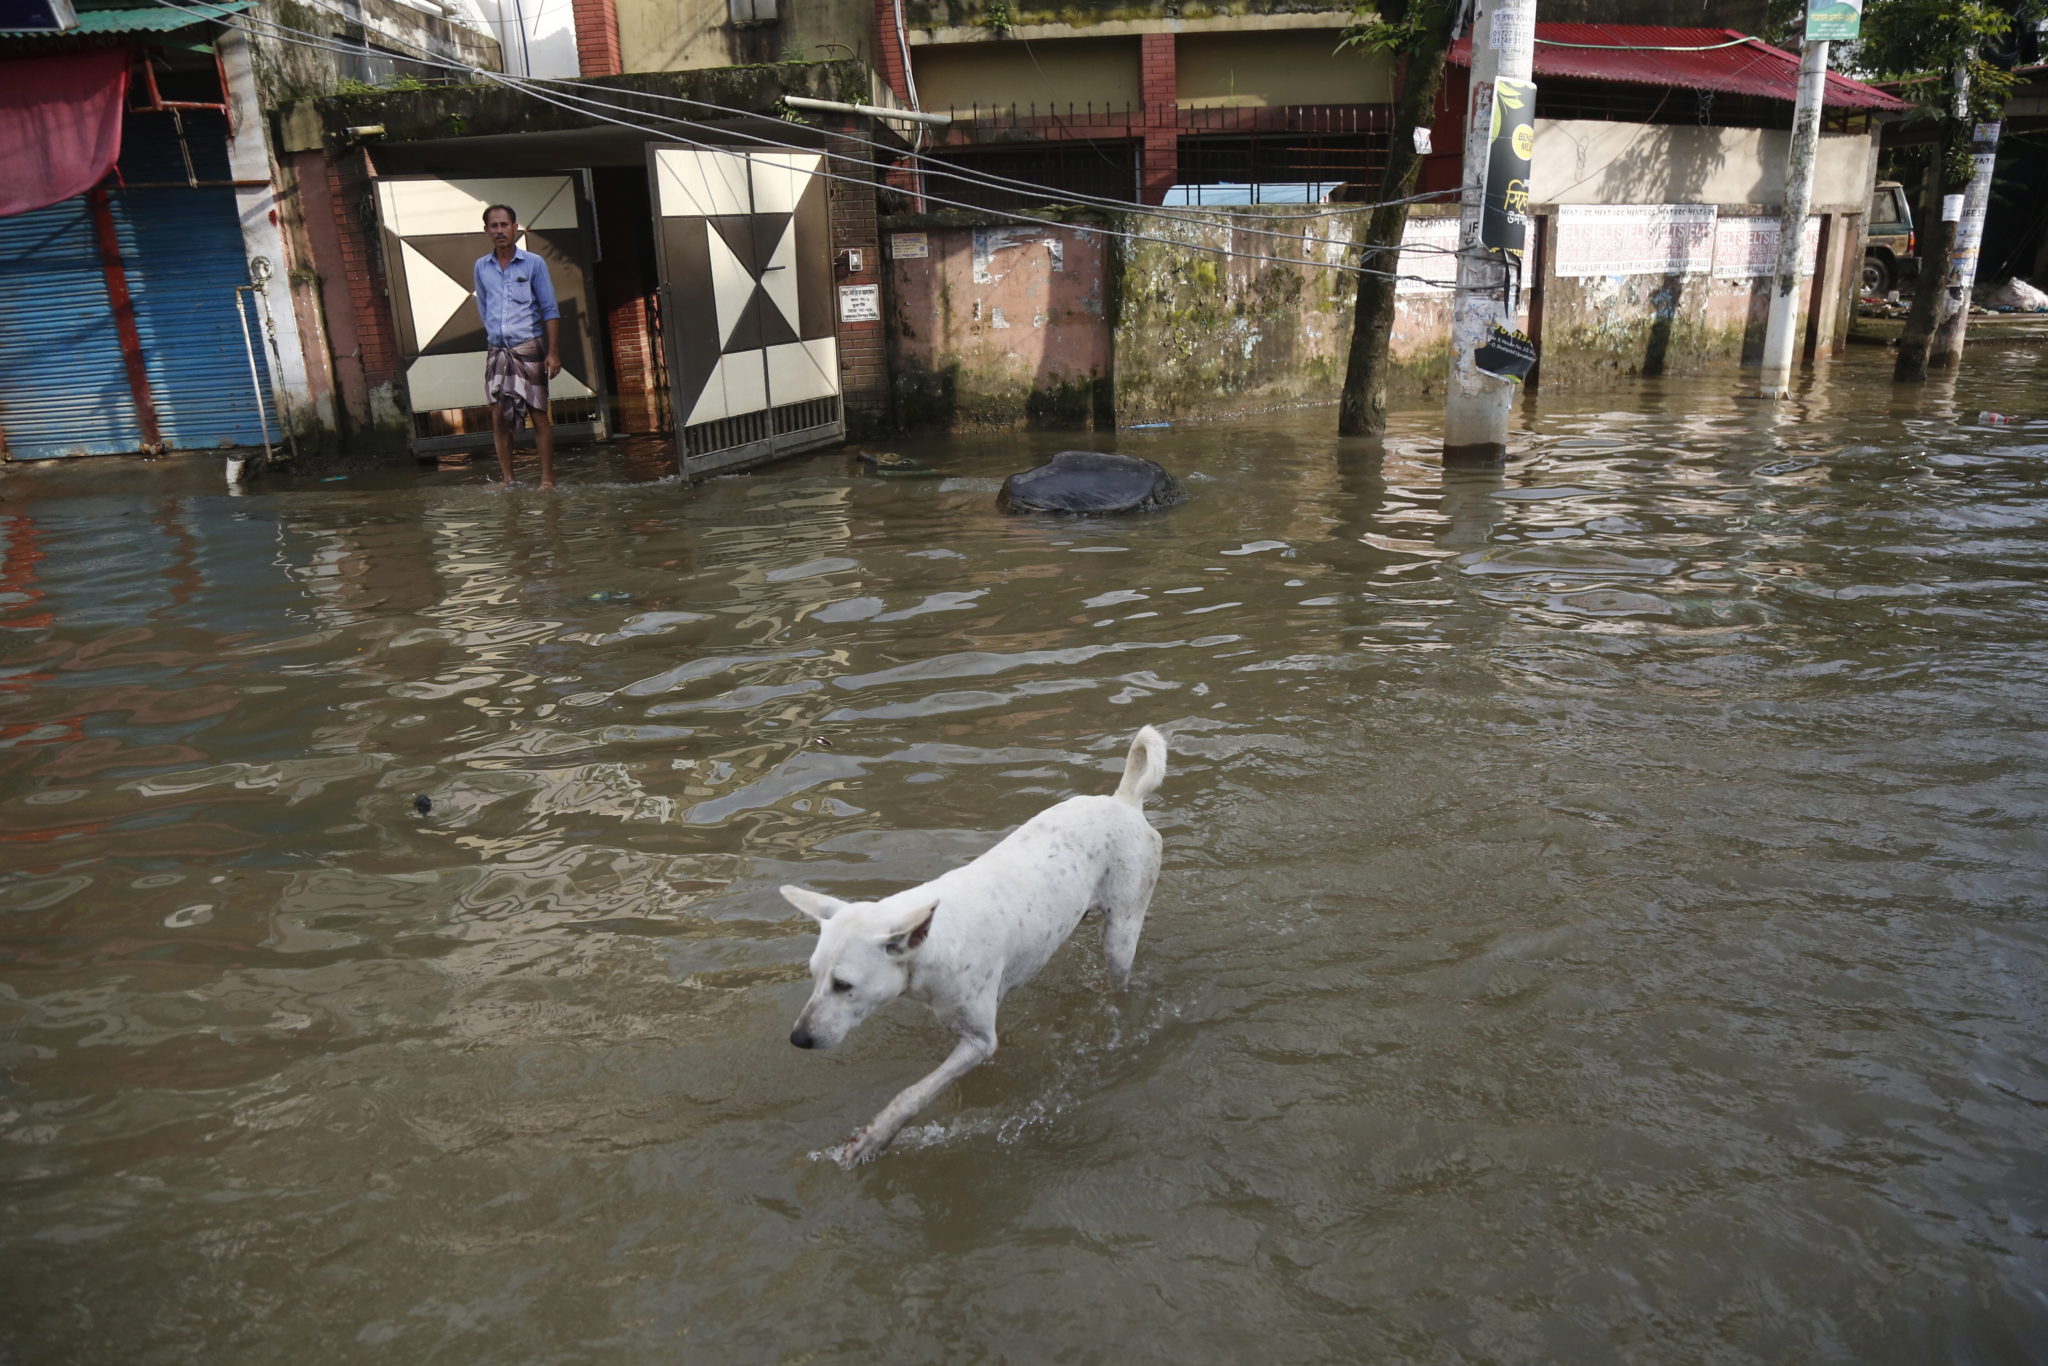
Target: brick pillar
(863,347)
(1158,85)
(327,328)
(369,293)
(340,218)
(888,52)
(597,37)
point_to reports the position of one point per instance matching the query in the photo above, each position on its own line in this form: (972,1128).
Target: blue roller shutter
(184,253)
(63,385)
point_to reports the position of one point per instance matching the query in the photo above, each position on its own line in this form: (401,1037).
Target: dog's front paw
(862,1147)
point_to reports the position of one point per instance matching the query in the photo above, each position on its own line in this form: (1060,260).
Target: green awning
(95,21)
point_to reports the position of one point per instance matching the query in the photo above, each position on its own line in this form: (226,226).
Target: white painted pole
(1781,334)
(1953,316)
(1477,405)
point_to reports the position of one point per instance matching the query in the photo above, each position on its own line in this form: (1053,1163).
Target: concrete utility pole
(1478,405)
(1954,305)
(1781,334)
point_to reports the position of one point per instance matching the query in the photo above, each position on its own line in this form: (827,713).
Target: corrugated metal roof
(1628,54)
(136,19)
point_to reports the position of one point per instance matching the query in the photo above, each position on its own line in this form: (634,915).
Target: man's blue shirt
(515,299)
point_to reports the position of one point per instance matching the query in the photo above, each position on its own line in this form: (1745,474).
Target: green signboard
(1833,21)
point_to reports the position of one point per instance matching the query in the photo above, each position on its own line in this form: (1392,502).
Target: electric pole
(1781,334)
(1954,305)
(1499,141)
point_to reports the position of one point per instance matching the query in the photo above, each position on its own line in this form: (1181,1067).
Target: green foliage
(349,85)
(1903,39)
(996,18)
(1397,28)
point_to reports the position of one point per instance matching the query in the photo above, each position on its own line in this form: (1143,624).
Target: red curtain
(60,125)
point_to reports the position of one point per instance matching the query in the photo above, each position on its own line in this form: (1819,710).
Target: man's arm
(551,314)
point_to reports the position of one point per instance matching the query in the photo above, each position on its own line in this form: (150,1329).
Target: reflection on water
(1601,915)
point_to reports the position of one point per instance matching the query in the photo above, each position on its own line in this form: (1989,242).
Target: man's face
(503,229)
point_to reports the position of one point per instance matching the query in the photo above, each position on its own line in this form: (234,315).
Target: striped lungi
(516,379)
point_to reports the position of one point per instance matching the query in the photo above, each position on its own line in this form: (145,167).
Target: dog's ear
(816,905)
(910,930)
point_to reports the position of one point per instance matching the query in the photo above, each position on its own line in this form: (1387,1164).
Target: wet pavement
(1602,915)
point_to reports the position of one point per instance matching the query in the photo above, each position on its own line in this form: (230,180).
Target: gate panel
(433,235)
(63,381)
(745,253)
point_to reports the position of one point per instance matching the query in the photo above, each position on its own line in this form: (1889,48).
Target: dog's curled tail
(1145,768)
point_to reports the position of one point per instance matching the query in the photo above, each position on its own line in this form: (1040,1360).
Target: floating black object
(421,804)
(1091,482)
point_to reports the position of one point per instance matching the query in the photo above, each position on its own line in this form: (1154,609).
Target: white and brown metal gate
(743,241)
(433,236)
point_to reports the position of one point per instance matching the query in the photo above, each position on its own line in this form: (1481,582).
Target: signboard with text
(1429,250)
(1833,21)
(1746,247)
(1634,239)
(860,303)
(1504,221)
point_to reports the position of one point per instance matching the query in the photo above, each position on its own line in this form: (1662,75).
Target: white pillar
(1477,405)
(1953,314)
(1781,334)
(263,239)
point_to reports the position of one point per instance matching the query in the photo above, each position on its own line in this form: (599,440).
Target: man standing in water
(524,330)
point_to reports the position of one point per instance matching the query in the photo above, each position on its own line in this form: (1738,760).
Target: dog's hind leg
(1126,893)
(977,1045)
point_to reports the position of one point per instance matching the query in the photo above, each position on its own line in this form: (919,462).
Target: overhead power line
(587,106)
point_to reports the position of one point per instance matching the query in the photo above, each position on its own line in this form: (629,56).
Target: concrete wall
(1198,334)
(1581,161)
(288,71)
(687,35)
(1258,70)
(1066,71)
(965,19)
(537,38)
(999,325)
(1004,326)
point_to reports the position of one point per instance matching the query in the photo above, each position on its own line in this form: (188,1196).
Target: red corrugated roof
(1615,52)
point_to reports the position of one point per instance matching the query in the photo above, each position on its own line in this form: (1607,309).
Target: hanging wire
(587,106)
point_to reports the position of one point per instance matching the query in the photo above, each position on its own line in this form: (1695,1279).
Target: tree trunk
(1939,238)
(1363,409)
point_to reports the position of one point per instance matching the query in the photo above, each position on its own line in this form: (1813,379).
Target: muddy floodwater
(1602,915)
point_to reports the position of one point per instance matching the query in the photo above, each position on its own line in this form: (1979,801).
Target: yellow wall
(1256,70)
(688,35)
(1586,161)
(1060,72)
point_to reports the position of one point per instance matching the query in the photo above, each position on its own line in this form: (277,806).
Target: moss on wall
(1199,334)
(964,396)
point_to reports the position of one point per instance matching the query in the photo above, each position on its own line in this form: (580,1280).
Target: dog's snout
(801,1037)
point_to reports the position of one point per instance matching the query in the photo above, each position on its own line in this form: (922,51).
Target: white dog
(964,940)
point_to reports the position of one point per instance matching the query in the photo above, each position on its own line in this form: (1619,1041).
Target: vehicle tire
(1877,275)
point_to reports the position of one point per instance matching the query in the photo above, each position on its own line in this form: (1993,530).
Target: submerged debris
(1091,482)
(889,465)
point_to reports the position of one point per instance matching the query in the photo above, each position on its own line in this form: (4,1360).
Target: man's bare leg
(501,438)
(544,437)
